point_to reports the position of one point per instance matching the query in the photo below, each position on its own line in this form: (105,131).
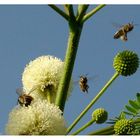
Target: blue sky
(29,31)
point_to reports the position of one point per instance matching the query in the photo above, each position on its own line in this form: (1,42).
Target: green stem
(91,13)
(93,101)
(66,9)
(59,11)
(111,132)
(137,120)
(103,131)
(81,11)
(73,41)
(70,10)
(49,96)
(84,126)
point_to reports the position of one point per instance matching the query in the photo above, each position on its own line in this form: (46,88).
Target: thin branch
(59,11)
(84,127)
(103,131)
(92,12)
(66,9)
(71,11)
(81,11)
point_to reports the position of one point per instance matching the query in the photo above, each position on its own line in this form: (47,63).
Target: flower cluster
(126,63)
(40,78)
(43,74)
(124,127)
(40,118)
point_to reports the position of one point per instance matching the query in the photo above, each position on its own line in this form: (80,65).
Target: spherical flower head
(43,74)
(40,118)
(124,127)
(100,115)
(126,63)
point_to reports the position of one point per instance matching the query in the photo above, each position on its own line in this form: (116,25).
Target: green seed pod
(124,127)
(100,115)
(126,63)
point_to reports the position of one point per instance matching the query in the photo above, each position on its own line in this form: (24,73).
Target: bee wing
(94,77)
(20,91)
(117,25)
(135,24)
(33,88)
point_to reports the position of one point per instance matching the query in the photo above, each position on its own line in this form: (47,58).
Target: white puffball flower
(44,75)
(39,118)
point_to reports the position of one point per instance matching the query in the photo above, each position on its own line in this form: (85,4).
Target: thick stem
(93,101)
(73,41)
(84,127)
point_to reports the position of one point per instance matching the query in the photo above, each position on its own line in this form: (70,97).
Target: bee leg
(87,87)
(83,90)
(124,37)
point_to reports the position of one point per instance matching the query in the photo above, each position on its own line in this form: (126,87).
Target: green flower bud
(126,63)
(100,115)
(124,127)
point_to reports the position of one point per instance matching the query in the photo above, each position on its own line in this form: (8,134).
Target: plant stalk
(73,41)
(84,126)
(92,12)
(59,11)
(103,131)
(81,11)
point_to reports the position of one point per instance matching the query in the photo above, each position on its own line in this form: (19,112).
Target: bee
(122,32)
(24,98)
(83,83)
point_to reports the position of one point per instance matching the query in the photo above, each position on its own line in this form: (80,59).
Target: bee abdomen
(118,34)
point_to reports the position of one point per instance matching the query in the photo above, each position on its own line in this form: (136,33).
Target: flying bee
(83,83)
(24,98)
(122,32)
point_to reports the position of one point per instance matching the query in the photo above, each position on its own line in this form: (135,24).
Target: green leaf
(128,113)
(131,109)
(138,115)
(138,97)
(122,115)
(113,120)
(110,122)
(134,104)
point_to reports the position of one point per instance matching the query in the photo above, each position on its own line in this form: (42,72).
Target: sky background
(30,31)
